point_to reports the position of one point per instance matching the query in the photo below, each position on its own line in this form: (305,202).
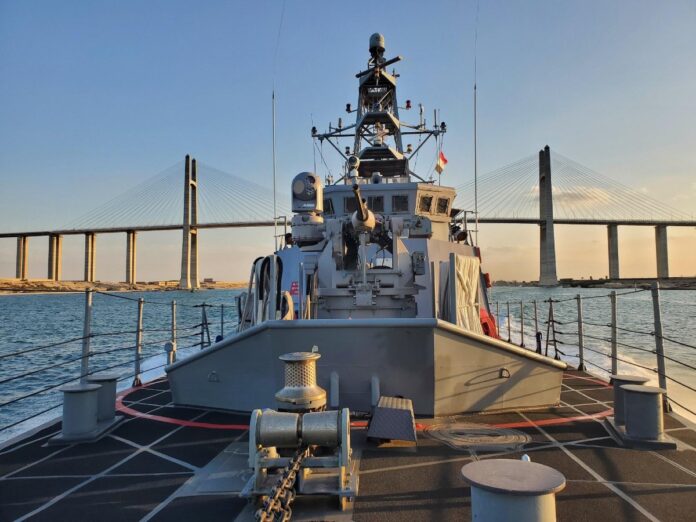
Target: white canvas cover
(467,273)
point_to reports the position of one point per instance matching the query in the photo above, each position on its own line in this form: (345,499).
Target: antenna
(275,212)
(476,215)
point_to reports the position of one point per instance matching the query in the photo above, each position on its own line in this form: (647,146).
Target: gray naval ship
(366,381)
(381,280)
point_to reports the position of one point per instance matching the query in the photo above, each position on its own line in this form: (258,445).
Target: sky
(97,96)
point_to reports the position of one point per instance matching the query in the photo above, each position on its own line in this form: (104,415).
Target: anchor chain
(276,507)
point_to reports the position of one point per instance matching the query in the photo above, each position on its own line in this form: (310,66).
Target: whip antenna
(476,215)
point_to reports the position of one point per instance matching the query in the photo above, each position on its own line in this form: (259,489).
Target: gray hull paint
(442,368)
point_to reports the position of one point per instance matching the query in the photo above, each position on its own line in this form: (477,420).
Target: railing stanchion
(173,331)
(548,327)
(508,322)
(659,345)
(497,317)
(581,341)
(202,326)
(207,325)
(522,324)
(537,333)
(614,360)
(86,336)
(222,320)
(138,343)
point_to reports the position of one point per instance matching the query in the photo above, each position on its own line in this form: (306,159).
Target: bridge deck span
(251,224)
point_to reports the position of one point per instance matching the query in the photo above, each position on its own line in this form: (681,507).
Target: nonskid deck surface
(155,465)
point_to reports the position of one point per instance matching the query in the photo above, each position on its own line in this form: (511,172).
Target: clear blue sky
(95,96)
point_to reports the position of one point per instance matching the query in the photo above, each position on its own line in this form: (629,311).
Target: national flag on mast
(441,162)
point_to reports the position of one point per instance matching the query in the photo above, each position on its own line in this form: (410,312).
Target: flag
(441,162)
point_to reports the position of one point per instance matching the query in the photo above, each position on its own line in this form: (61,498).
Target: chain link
(276,507)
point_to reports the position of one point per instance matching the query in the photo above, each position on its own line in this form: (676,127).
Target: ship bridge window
(349,205)
(399,203)
(426,202)
(442,205)
(375,203)
(328,207)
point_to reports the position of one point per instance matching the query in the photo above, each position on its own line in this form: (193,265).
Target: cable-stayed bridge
(544,189)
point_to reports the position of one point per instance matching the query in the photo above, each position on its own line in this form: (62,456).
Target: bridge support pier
(613,242)
(547,242)
(189,245)
(90,256)
(661,251)
(131,257)
(22,257)
(51,271)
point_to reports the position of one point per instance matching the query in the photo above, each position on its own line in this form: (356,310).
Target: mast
(275,212)
(476,216)
(377,134)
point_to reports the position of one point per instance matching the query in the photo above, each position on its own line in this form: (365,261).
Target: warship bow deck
(174,463)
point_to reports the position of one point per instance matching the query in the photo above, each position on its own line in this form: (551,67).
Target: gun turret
(363,219)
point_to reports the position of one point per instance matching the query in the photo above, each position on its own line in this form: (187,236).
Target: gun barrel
(361,208)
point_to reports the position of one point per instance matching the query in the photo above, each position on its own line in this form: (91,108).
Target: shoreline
(46,286)
(672,283)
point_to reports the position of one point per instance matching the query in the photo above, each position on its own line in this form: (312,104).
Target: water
(635,318)
(28,321)
(31,320)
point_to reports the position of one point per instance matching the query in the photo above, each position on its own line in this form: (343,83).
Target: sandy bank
(15,286)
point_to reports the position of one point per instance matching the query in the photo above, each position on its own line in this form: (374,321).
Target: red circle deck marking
(170,420)
(355,424)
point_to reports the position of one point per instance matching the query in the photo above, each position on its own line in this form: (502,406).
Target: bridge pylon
(189,245)
(547,241)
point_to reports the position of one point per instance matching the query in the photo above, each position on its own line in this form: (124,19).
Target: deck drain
(466,436)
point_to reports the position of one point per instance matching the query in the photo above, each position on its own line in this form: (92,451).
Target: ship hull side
(442,368)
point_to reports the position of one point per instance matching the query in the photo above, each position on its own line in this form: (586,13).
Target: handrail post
(173,330)
(138,343)
(659,344)
(537,333)
(614,349)
(202,326)
(581,341)
(522,324)
(497,317)
(86,336)
(508,322)
(222,320)
(548,327)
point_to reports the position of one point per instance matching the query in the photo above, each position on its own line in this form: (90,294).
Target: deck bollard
(619,400)
(643,411)
(507,489)
(106,395)
(80,410)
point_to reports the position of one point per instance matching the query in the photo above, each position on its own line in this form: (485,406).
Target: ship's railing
(568,335)
(43,369)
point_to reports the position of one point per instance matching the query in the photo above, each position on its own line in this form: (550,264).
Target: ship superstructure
(377,278)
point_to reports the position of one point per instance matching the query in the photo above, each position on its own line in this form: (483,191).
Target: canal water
(30,322)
